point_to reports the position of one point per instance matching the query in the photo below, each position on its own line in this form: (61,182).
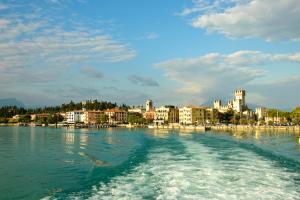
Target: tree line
(10,111)
(230,117)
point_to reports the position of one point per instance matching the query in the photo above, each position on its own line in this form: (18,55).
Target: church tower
(149,105)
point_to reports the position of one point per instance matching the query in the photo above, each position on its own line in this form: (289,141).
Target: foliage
(10,111)
(103,118)
(273,113)
(227,116)
(295,115)
(25,119)
(136,118)
(243,121)
(55,118)
(3,120)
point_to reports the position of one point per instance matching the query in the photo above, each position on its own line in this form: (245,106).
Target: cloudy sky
(172,51)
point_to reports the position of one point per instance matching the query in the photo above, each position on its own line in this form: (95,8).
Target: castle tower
(217,104)
(149,105)
(240,95)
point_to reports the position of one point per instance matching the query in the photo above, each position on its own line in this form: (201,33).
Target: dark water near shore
(48,163)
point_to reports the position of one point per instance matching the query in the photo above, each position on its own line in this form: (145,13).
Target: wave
(199,172)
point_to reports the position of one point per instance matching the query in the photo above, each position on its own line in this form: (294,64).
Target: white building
(261,112)
(189,115)
(76,116)
(166,114)
(140,110)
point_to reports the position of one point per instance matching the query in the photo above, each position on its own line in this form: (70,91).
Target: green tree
(136,118)
(25,119)
(243,121)
(3,120)
(55,118)
(295,115)
(103,118)
(227,116)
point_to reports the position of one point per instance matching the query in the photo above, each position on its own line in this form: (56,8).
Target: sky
(172,51)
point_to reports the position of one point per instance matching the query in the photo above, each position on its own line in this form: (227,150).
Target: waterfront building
(76,116)
(139,109)
(116,116)
(261,112)
(91,116)
(149,115)
(212,116)
(35,117)
(238,104)
(166,114)
(195,115)
(192,115)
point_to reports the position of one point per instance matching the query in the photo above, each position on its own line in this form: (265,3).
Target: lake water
(48,163)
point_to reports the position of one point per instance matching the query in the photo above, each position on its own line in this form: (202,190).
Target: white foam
(201,174)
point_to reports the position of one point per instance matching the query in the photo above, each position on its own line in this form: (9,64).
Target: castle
(238,104)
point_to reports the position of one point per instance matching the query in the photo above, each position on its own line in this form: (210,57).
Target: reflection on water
(159,133)
(84,138)
(257,134)
(69,141)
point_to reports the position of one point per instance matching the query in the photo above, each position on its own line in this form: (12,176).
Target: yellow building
(195,115)
(189,115)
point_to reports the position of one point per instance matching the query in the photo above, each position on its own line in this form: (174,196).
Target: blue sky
(172,51)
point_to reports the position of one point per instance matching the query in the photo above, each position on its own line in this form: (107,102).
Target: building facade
(166,114)
(117,116)
(75,116)
(198,115)
(139,110)
(149,105)
(91,116)
(149,115)
(35,117)
(192,115)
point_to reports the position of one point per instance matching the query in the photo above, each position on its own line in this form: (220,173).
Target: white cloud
(216,75)
(287,57)
(267,19)
(151,36)
(36,45)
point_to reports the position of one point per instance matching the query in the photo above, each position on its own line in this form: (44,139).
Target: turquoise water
(48,163)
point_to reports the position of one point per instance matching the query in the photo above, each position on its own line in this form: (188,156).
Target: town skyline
(179,53)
